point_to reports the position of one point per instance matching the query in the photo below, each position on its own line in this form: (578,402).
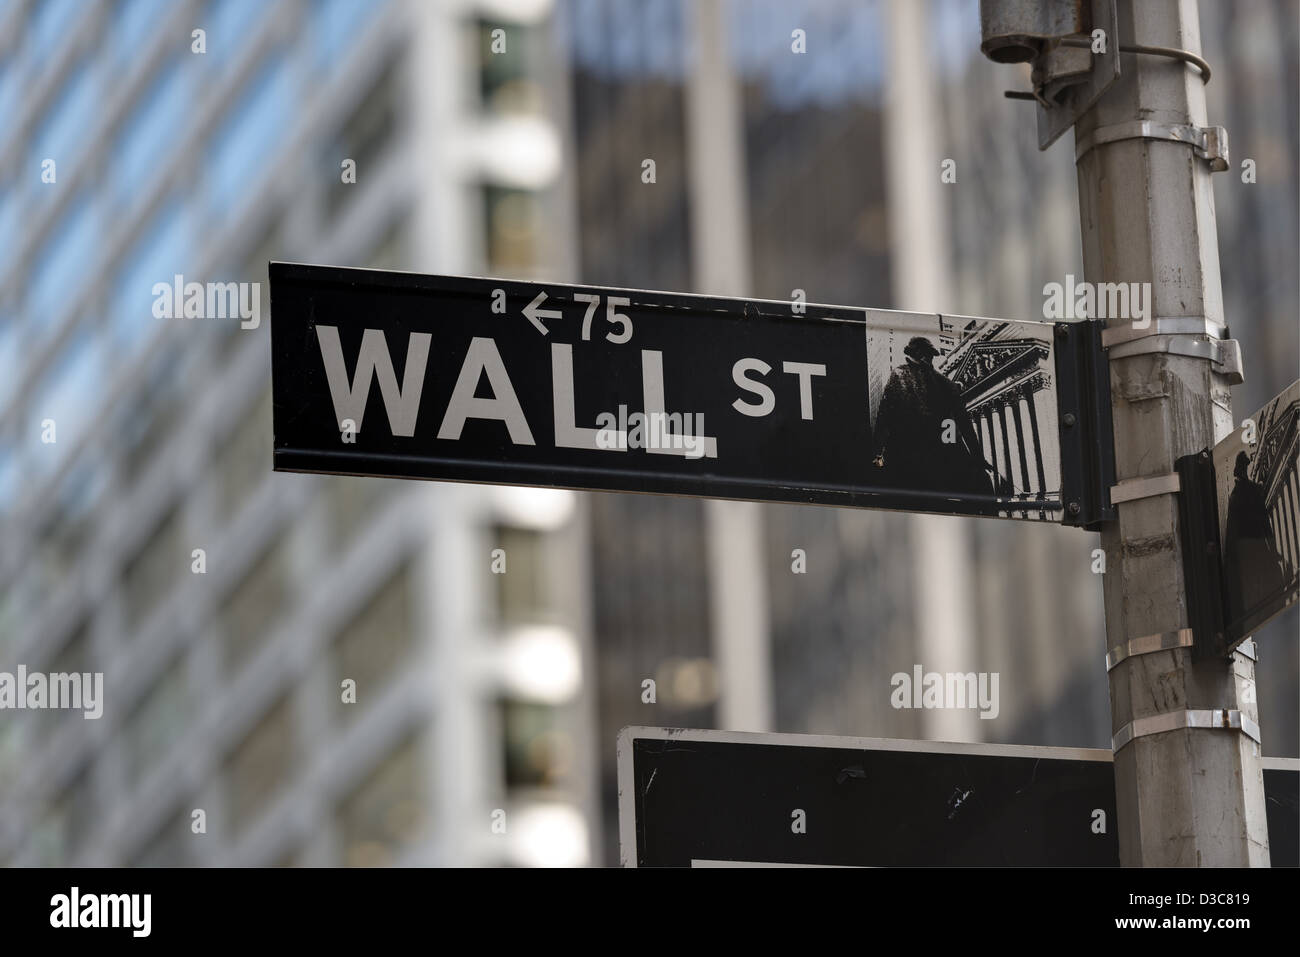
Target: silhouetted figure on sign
(909,433)
(1251,564)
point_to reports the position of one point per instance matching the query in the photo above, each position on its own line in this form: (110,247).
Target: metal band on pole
(1145,487)
(1224,353)
(1223,719)
(1145,645)
(1162,326)
(1209,142)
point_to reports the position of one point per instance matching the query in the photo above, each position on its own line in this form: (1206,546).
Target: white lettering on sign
(612,316)
(402,405)
(503,406)
(672,433)
(804,370)
(567,433)
(768,402)
(652,388)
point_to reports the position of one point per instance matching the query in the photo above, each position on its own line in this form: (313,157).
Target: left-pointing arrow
(535,314)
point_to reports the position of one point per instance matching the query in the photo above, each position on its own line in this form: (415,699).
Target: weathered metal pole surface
(1192,796)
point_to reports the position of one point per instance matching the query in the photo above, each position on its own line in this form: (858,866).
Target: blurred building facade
(228,605)
(499,638)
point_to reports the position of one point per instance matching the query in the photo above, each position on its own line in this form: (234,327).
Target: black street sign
(719,798)
(519,383)
(692,798)
(1240,511)
(1258,482)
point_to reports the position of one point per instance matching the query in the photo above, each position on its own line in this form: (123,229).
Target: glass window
(63,830)
(386,812)
(9,232)
(68,121)
(9,352)
(373,646)
(13,749)
(69,398)
(350,502)
(74,658)
(136,22)
(250,135)
(152,131)
(521,591)
(59,543)
(393,249)
(160,254)
(51,21)
(513,220)
(148,418)
(338,24)
(230,24)
(537,753)
(363,137)
(245,460)
(8,88)
(260,765)
(149,576)
(505,76)
(63,263)
(623,38)
(157,721)
(255,605)
(9,475)
(170,846)
(250,265)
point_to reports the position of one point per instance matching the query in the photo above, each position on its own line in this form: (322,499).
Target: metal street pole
(1190,790)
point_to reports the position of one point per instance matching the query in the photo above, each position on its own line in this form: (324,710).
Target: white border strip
(1280,764)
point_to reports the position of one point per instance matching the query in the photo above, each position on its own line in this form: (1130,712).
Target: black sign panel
(1257,477)
(701,797)
(485,380)
(1282,810)
(1239,514)
(714,798)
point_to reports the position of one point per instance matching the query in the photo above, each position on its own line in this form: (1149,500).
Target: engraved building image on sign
(966,403)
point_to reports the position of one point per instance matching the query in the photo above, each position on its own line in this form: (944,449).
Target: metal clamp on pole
(1162,326)
(1208,142)
(1146,486)
(1224,353)
(1173,53)
(1218,719)
(1147,644)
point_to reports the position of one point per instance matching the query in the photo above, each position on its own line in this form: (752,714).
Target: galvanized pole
(1188,795)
